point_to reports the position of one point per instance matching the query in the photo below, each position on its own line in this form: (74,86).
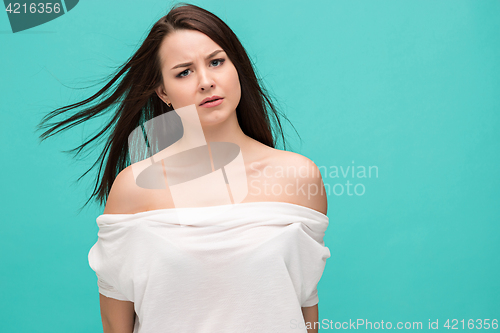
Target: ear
(160,91)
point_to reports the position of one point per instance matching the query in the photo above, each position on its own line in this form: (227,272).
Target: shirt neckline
(254,203)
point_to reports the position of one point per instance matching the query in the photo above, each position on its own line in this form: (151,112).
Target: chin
(212,120)
(211,116)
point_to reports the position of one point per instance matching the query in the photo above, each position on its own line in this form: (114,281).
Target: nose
(206,81)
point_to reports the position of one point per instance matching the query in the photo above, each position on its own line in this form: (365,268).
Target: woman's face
(194,67)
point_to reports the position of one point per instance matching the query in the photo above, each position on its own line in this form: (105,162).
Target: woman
(237,247)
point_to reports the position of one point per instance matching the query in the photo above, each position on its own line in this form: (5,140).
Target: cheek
(235,83)
(178,89)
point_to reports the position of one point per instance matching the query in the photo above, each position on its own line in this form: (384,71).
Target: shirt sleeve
(108,290)
(312,254)
(312,300)
(102,260)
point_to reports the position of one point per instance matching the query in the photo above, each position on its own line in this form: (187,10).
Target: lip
(212,104)
(209,99)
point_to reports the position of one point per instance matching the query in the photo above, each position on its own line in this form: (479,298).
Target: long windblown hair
(131,95)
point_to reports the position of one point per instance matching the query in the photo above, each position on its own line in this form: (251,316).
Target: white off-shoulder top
(246,267)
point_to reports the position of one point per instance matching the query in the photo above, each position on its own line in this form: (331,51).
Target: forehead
(185,45)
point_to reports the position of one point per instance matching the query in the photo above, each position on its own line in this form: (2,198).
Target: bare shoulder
(304,174)
(124,196)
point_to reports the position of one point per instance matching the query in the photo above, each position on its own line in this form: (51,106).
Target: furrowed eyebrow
(187,64)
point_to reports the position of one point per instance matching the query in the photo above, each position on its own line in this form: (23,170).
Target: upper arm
(117,316)
(311,316)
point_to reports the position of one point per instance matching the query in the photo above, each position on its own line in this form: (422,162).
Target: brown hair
(136,101)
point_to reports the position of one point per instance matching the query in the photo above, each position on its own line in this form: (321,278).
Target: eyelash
(221,60)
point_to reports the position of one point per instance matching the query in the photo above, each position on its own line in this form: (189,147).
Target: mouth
(210,99)
(213,100)
(212,103)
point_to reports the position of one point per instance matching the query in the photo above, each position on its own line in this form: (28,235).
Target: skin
(190,85)
(203,79)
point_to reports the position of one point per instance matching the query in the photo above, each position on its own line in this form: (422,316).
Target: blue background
(411,87)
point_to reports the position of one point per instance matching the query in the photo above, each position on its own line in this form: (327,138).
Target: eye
(221,61)
(180,74)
